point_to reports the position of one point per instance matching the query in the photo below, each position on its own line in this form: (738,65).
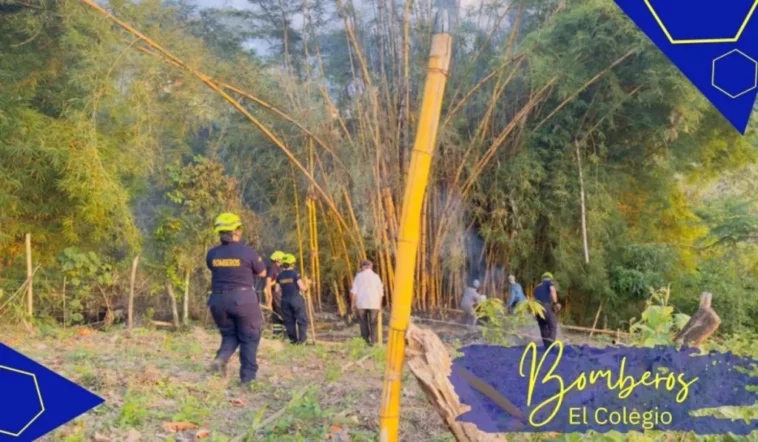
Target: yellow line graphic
(701,40)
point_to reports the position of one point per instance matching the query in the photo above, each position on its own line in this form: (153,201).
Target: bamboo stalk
(297,216)
(210,83)
(439,61)
(583,207)
(311,316)
(355,223)
(354,42)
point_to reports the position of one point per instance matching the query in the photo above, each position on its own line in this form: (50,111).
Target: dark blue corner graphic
(714,44)
(579,388)
(35,400)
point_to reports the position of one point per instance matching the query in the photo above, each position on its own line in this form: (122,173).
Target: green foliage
(86,275)
(658,321)
(501,327)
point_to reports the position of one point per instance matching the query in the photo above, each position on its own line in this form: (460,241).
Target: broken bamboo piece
(701,325)
(430,363)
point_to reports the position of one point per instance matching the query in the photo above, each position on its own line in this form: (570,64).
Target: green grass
(150,377)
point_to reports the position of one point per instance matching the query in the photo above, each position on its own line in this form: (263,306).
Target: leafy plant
(657,321)
(500,326)
(85,273)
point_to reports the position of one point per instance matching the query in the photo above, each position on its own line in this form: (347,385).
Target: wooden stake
(130,309)
(597,316)
(30,282)
(185,312)
(64,302)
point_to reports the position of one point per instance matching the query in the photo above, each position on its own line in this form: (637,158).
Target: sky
(261,47)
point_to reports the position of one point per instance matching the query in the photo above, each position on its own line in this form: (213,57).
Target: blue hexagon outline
(713,73)
(674,41)
(39,396)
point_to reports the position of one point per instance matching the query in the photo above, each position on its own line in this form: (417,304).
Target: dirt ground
(156,387)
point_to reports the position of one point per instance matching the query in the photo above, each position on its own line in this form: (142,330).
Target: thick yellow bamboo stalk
(408,234)
(297,218)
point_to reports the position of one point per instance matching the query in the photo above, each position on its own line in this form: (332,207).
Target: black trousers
(278,317)
(295,318)
(548,325)
(238,318)
(369,320)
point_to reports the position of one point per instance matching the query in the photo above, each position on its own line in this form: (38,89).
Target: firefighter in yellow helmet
(233,301)
(273,295)
(547,295)
(293,304)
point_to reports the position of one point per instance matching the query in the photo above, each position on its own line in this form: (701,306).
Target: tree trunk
(174,309)
(130,308)
(185,313)
(430,362)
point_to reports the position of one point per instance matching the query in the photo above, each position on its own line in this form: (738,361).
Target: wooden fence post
(64,302)
(130,309)
(29,289)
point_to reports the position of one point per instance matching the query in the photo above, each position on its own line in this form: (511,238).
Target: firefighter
(273,295)
(293,305)
(547,295)
(233,301)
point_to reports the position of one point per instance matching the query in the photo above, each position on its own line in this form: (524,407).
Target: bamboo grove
(567,143)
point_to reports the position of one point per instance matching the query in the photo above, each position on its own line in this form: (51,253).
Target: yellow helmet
(226,222)
(288,259)
(547,275)
(277,256)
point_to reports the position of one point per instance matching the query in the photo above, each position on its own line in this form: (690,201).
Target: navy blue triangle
(34,400)
(715,45)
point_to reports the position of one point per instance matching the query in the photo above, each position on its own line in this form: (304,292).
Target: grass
(152,377)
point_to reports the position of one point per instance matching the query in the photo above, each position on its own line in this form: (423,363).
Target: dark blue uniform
(293,306)
(276,303)
(234,303)
(548,325)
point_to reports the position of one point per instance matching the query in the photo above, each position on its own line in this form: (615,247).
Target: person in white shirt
(470,298)
(366,298)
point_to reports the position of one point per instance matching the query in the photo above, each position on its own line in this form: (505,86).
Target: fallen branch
(589,330)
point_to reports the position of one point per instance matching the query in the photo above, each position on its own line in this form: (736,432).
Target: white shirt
(470,298)
(368,290)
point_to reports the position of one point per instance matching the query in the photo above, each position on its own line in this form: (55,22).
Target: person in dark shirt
(293,305)
(546,294)
(273,296)
(233,301)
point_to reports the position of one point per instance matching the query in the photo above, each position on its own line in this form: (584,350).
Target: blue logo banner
(715,44)
(580,388)
(35,400)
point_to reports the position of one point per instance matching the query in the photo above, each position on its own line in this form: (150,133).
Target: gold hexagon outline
(672,40)
(39,396)
(713,73)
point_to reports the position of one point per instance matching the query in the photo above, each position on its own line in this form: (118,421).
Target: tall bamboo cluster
(353,154)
